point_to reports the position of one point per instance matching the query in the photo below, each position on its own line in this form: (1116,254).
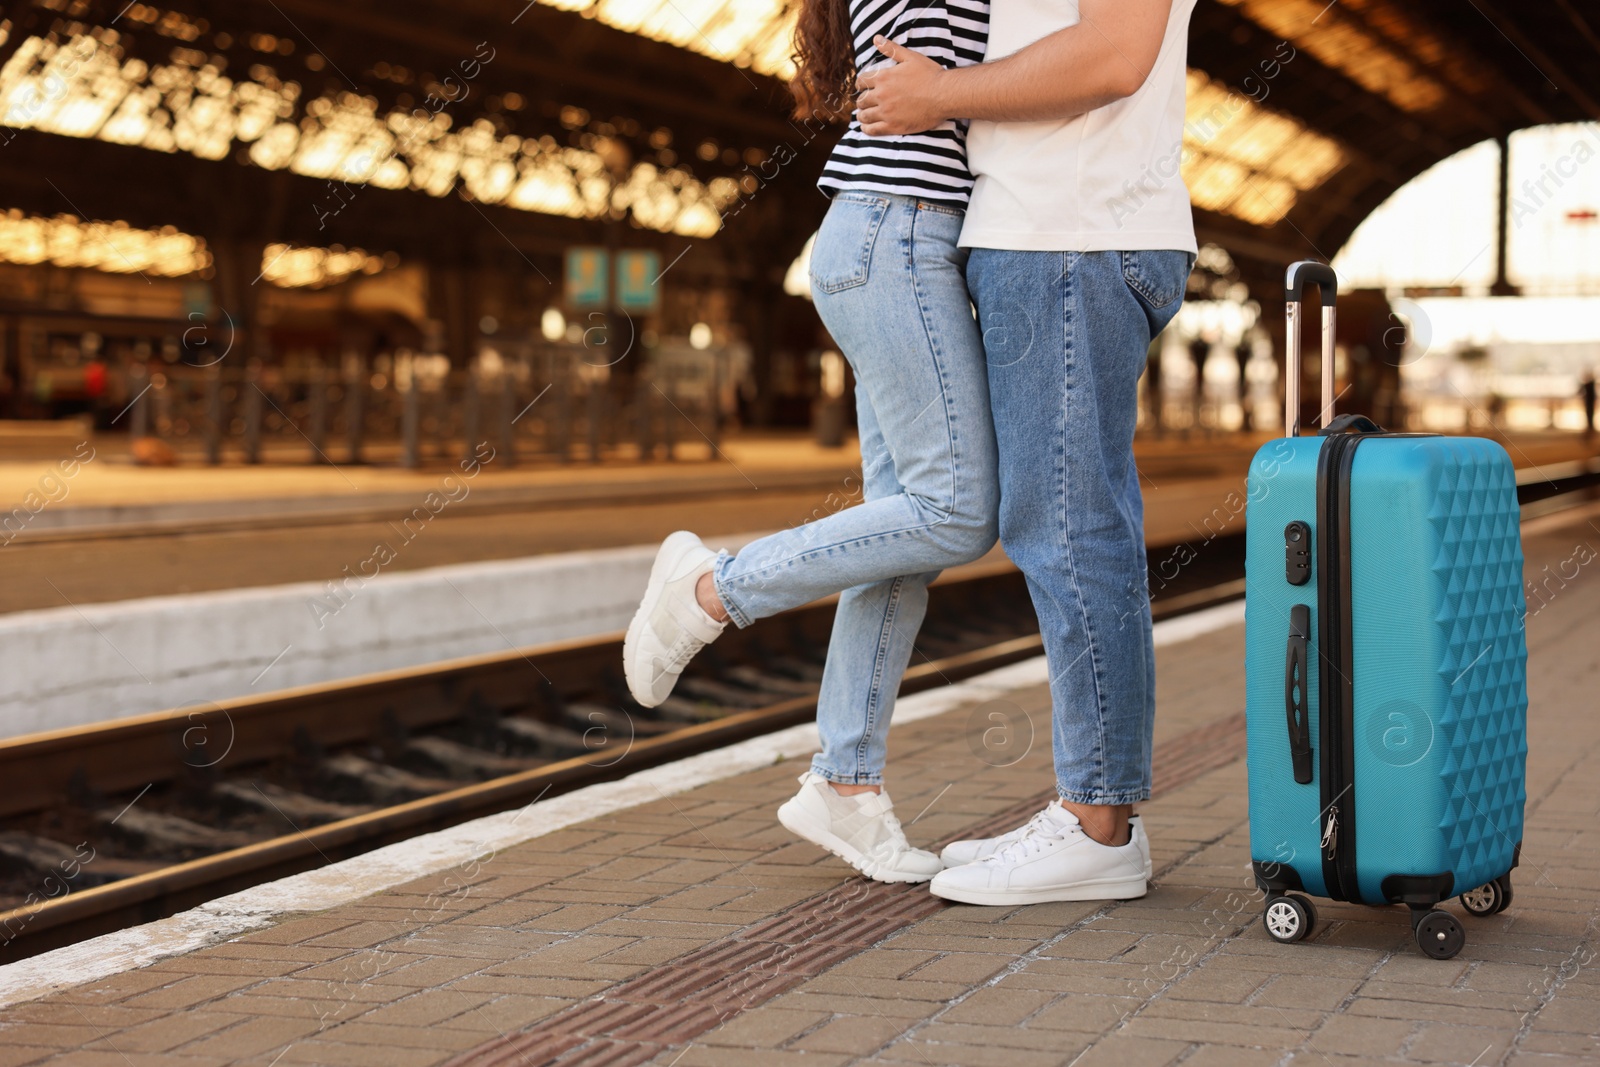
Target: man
(1082,241)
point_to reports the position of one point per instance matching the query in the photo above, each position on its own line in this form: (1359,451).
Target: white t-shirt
(1107,180)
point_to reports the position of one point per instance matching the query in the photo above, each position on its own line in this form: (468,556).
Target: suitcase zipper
(1334,649)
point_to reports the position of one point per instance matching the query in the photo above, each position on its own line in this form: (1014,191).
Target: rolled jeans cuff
(719,570)
(841,778)
(1101,799)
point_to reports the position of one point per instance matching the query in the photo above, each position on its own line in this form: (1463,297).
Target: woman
(888,282)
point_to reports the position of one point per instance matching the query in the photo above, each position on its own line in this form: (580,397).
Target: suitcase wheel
(1504,882)
(1289,918)
(1488,899)
(1438,933)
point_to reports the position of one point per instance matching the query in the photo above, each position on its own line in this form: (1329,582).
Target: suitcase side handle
(1323,277)
(1295,695)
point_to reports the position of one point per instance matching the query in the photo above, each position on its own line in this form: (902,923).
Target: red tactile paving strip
(634,1021)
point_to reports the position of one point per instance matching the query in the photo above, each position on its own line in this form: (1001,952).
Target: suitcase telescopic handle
(1296,699)
(1307,272)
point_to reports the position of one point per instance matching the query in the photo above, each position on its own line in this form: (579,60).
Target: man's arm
(1102,59)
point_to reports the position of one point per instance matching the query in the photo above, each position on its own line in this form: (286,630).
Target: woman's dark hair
(824,60)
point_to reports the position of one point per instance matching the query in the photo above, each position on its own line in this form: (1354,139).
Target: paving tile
(63,1034)
(394,1035)
(170,1031)
(20,1055)
(925,1053)
(109,1016)
(113,1058)
(501,1013)
(1252,1014)
(1460,1044)
(969,968)
(295,931)
(253,1036)
(976,1035)
(350,1055)
(885,962)
(651,951)
(764,1028)
(189,992)
(359,967)
(858,1035)
(428,973)
(1215,984)
(1562,1044)
(428,1008)
(1569,1015)
(1085,1014)
(508,914)
(570,988)
(720,1056)
(995,1006)
(1355,1036)
(574,917)
(1120,1050)
(858,1005)
(1092,945)
(1232,1056)
(1305,991)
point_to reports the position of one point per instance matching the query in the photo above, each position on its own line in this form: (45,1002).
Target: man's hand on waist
(902,98)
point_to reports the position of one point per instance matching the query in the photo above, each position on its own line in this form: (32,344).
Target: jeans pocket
(1159,276)
(842,252)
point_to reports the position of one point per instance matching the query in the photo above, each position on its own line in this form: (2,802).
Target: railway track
(120,823)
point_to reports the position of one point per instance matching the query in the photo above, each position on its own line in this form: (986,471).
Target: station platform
(113,531)
(668,919)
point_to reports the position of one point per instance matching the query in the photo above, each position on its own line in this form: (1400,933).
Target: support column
(1502,286)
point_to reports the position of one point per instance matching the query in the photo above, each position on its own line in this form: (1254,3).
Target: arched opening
(1473,360)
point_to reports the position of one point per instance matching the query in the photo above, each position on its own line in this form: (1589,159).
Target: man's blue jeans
(1067,336)
(888,282)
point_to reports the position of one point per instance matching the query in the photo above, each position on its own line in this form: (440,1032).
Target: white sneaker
(957,853)
(670,625)
(1050,859)
(861,830)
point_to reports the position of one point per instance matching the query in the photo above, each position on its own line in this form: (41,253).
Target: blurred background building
(296,231)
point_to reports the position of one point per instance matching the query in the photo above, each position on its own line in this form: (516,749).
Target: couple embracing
(997,257)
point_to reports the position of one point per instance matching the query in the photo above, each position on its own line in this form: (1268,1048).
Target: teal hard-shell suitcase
(1385,665)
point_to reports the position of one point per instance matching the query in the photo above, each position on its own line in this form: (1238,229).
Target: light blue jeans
(1067,335)
(888,282)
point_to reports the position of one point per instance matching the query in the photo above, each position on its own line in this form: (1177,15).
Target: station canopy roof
(1303,115)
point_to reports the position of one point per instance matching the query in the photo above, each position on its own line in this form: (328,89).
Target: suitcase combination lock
(1297,553)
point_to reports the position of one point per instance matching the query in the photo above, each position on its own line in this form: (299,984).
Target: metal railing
(546,402)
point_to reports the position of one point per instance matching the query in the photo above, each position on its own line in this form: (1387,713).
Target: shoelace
(681,652)
(896,842)
(1032,837)
(1011,837)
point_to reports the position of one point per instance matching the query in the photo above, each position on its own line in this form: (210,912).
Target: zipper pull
(1330,833)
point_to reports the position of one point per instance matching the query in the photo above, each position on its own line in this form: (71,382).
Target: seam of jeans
(1069,325)
(799,557)
(875,690)
(930,332)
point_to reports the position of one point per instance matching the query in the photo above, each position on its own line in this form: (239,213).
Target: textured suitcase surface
(1437,739)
